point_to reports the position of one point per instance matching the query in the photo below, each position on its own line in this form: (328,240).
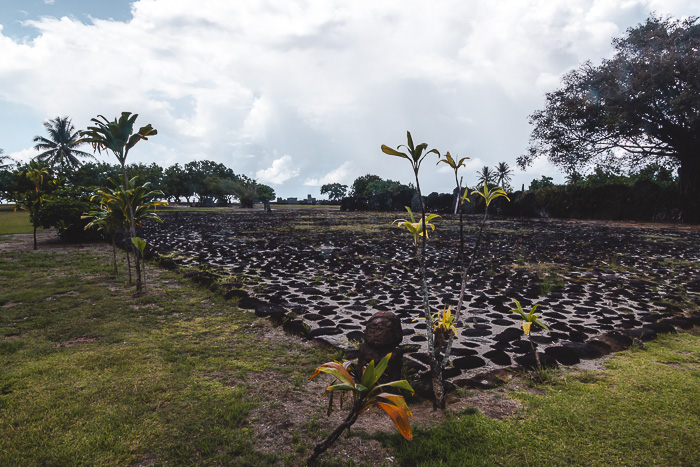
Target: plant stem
(434,352)
(465,275)
(335,434)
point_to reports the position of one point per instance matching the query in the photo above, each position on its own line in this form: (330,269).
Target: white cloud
(226,80)
(282,169)
(24,155)
(345,175)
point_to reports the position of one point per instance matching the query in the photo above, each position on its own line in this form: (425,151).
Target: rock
(601,346)
(235,293)
(275,312)
(584,351)
(644,334)
(383,330)
(249,303)
(616,340)
(296,327)
(324,332)
(509,334)
(661,326)
(563,355)
(528,362)
(469,362)
(487,380)
(498,357)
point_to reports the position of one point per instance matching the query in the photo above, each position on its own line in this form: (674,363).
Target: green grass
(12,222)
(645,410)
(93,375)
(90,374)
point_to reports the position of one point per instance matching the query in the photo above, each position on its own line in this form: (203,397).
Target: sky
(300,93)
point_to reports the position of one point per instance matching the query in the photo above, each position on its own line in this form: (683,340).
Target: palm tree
(486,175)
(59,149)
(503,175)
(118,137)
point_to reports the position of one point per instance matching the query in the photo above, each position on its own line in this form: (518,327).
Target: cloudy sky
(298,93)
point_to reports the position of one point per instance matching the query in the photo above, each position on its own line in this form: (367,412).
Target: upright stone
(383,334)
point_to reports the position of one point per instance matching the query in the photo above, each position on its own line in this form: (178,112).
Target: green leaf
(368,375)
(393,152)
(379,370)
(401,384)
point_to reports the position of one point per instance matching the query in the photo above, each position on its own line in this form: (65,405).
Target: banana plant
(366,394)
(529,319)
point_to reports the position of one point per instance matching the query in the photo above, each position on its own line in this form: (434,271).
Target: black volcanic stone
(577,336)
(235,293)
(476,332)
(451,372)
(267,309)
(603,347)
(682,323)
(313,316)
(528,361)
(326,323)
(644,334)
(503,322)
(462,352)
(296,327)
(508,335)
(324,332)
(249,303)
(498,357)
(661,327)
(583,350)
(469,362)
(616,340)
(521,346)
(563,355)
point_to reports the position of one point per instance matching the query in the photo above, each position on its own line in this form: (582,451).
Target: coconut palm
(59,149)
(486,175)
(503,175)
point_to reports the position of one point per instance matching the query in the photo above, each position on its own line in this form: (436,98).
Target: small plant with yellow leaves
(528,320)
(366,394)
(416,228)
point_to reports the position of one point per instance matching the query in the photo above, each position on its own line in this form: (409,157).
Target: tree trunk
(114,254)
(35,237)
(689,188)
(335,434)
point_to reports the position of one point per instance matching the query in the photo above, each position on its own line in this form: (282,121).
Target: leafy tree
(60,148)
(118,137)
(541,183)
(640,106)
(176,183)
(504,175)
(359,186)
(31,200)
(335,191)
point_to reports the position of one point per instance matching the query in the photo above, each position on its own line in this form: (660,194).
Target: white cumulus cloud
(282,169)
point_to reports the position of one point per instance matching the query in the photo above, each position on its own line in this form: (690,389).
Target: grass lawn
(91,374)
(12,222)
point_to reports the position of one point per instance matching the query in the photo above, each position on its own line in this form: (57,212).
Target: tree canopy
(640,107)
(59,149)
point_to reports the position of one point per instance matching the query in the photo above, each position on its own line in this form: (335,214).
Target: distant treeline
(651,194)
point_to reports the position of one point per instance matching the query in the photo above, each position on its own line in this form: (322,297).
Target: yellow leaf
(399,417)
(526,327)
